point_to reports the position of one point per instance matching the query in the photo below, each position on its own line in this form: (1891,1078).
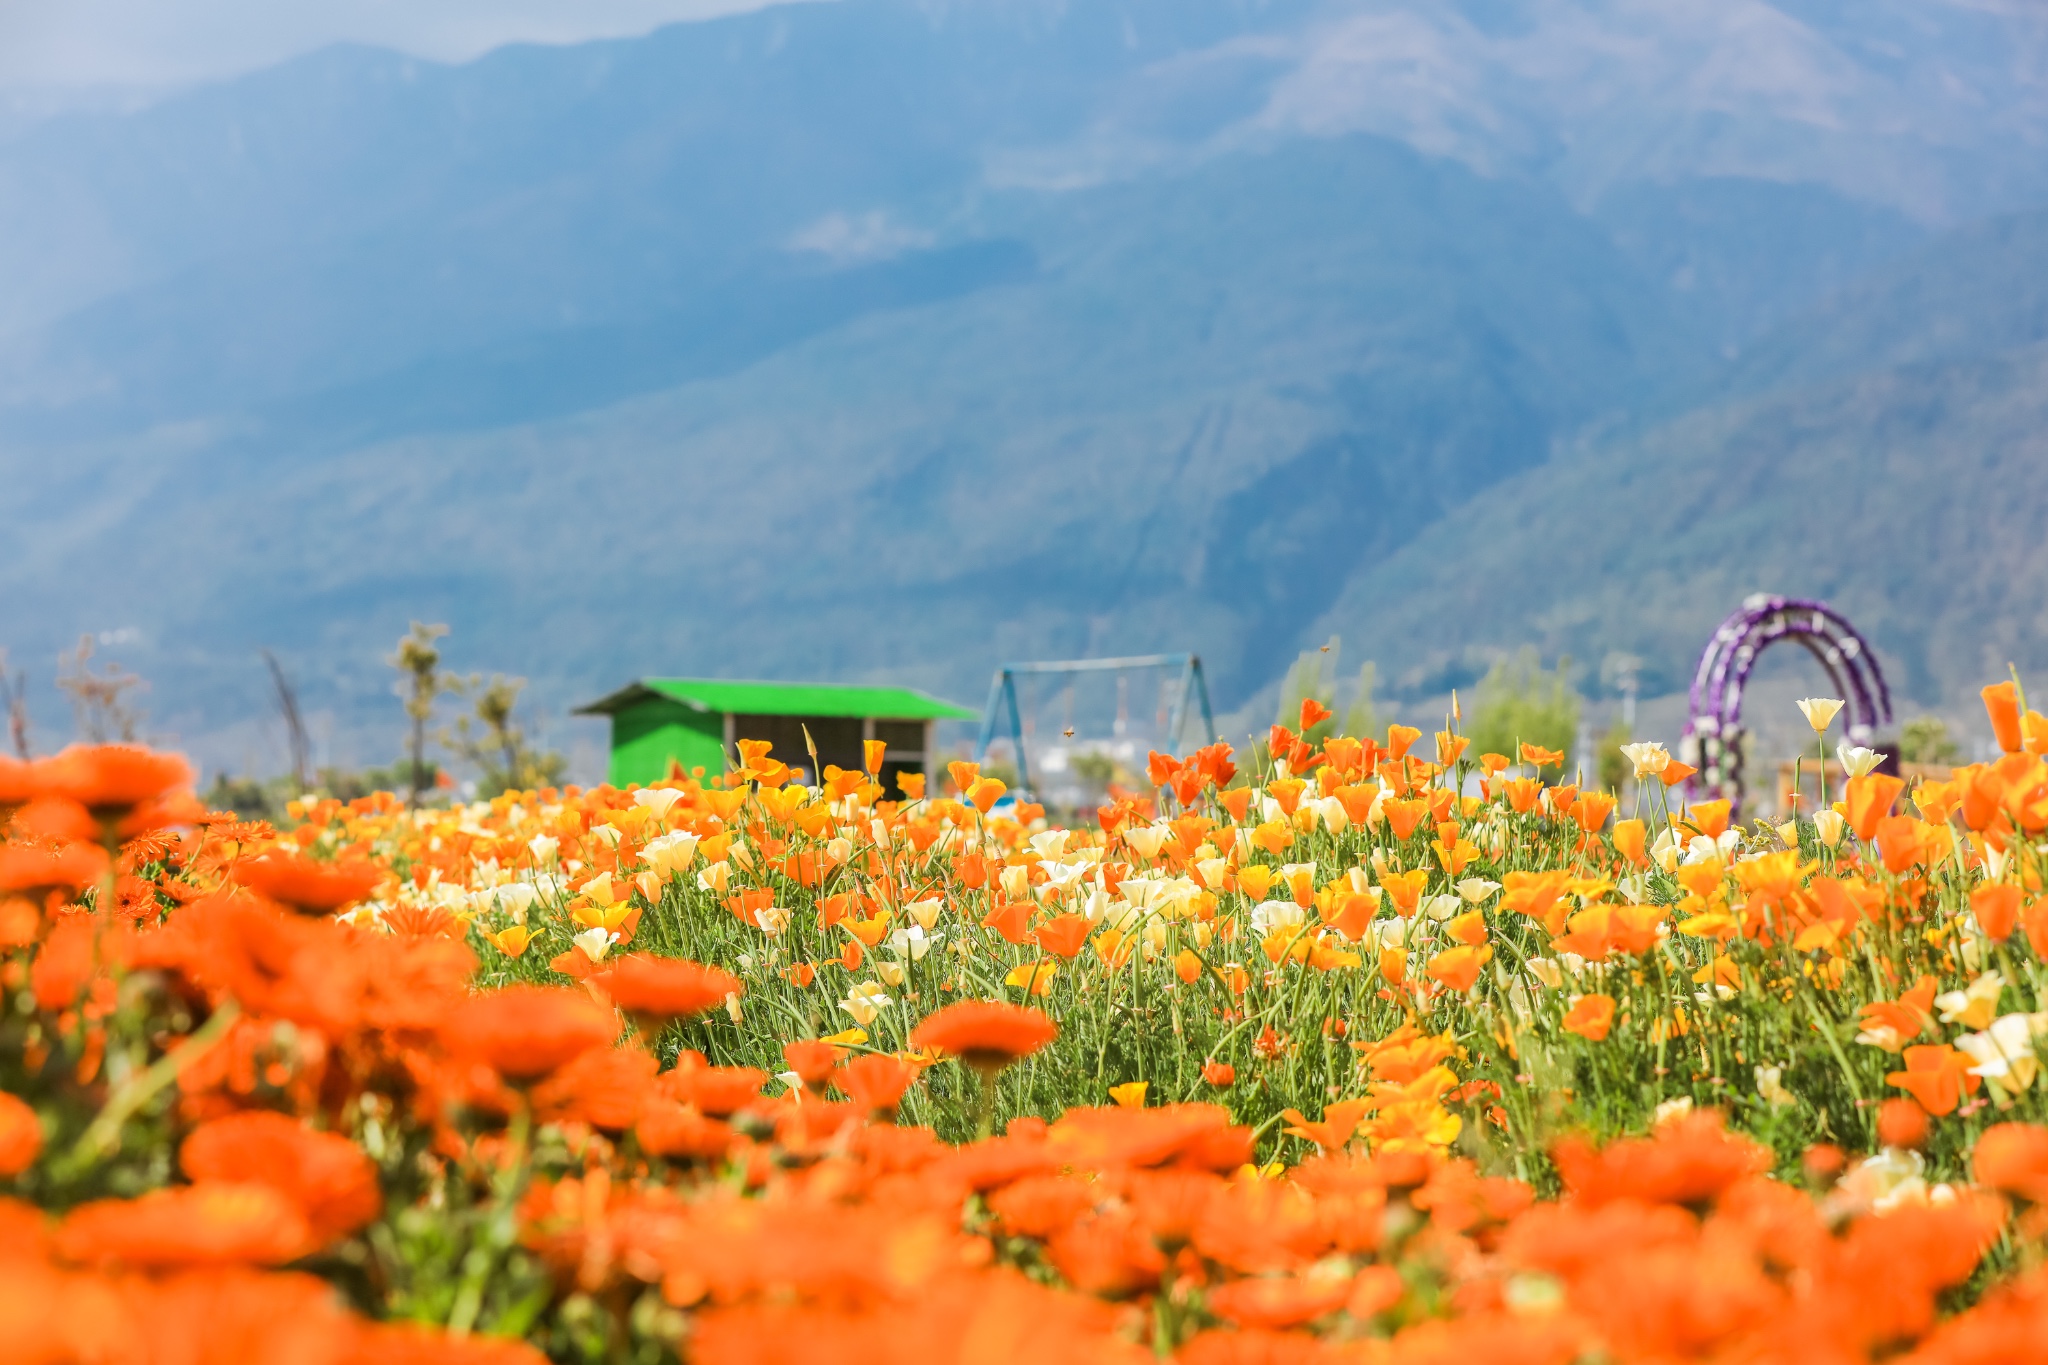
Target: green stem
(103,1136)
(498,1230)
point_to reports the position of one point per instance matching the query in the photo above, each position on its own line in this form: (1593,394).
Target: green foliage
(1611,766)
(421,682)
(1360,716)
(1519,702)
(1925,739)
(1096,769)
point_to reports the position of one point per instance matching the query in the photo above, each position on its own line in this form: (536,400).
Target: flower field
(1385,1052)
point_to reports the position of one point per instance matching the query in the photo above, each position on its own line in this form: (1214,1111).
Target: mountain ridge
(744,348)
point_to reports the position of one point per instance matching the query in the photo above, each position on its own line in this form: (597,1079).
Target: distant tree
(492,740)
(421,683)
(14,694)
(1520,703)
(1095,769)
(1360,716)
(100,703)
(1926,739)
(1611,765)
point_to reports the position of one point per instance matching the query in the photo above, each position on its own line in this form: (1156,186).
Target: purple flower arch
(1715,722)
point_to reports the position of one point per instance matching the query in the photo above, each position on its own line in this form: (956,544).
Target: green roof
(783,699)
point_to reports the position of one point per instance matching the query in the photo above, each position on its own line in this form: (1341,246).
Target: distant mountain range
(878,339)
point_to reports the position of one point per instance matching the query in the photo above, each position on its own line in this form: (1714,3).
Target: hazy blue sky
(59,46)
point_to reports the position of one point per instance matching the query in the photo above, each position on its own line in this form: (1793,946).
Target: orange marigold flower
(330,1179)
(987,1035)
(1041,1205)
(387,1343)
(56,820)
(667,987)
(813,1060)
(308,885)
(1688,1161)
(21,1135)
(214,1223)
(1278,1303)
(877,1082)
(716,1090)
(523,1032)
(111,779)
(1591,1016)
(605,1088)
(27,868)
(674,1131)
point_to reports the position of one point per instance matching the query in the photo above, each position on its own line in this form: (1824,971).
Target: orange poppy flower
(524,1032)
(1541,757)
(1010,919)
(1901,1123)
(1631,838)
(308,885)
(1676,772)
(667,988)
(2002,705)
(1219,1074)
(1522,793)
(1592,811)
(1404,889)
(1868,799)
(1063,937)
(1997,910)
(1457,968)
(1403,816)
(1337,1127)
(1891,1024)
(1591,1017)
(1709,818)
(1938,1076)
(987,1035)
